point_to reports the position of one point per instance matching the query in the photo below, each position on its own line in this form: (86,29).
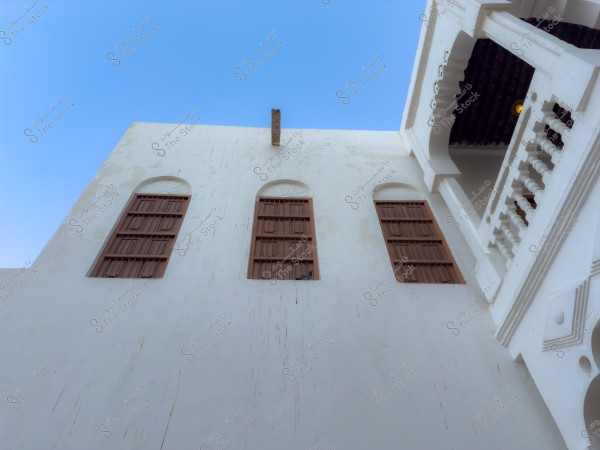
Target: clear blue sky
(187,59)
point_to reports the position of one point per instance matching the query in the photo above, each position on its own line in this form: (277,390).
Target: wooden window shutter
(142,242)
(284,245)
(413,238)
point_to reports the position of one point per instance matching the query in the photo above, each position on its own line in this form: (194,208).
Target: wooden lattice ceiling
(501,78)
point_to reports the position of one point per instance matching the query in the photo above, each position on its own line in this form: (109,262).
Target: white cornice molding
(416,79)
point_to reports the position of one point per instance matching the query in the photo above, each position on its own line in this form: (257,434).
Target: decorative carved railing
(534,152)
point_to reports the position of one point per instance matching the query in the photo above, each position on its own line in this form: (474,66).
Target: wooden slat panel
(129,268)
(283,207)
(411,234)
(404,210)
(132,256)
(140,245)
(293,227)
(143,203)
(289,237)
(408,229)
(159,203)
(154,234)
(404,273)
(283,242)
(112,268)
(281,249)
(417,250)
(151,224)
(142,242)
(149,268)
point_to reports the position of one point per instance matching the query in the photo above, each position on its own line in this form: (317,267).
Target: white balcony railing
(536,149)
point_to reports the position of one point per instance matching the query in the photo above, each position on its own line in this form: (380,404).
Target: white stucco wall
(557,371)
(445,373)
(479,170)
(562,381)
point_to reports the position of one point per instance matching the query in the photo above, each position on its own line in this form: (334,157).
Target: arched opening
(284,242)
(479,124)
(485,116)
(446,89)
(164,185)
(284,188)
(596,344)
(142,239)
(397,191)
(591,414)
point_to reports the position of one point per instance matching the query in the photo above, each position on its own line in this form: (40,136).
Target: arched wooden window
(413,238)
(142,242)
(284,245)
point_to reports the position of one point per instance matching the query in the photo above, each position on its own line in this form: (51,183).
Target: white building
(139,329)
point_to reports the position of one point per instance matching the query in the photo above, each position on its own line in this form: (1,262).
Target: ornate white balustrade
(538,143)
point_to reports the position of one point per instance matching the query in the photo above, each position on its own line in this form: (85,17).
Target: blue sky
(56,66)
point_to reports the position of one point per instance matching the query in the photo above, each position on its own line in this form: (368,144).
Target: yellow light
(516,108)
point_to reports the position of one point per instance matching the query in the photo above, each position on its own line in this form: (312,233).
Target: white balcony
(527,205)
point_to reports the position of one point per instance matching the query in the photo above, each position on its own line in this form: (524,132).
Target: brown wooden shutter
(283,240)
(142,242)
(413,238)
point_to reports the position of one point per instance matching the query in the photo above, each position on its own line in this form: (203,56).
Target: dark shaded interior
(501,78)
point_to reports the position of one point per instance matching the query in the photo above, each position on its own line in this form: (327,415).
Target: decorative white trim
(529,286)
(420,68)
(580,306)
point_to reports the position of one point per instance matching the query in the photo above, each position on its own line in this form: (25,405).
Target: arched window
(142,242)
(418,251)
(284,244)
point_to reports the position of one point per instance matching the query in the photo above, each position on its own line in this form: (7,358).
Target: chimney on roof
(275,126)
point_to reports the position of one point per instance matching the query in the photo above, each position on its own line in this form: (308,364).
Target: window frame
(119,229)
(311,227)
(438,236)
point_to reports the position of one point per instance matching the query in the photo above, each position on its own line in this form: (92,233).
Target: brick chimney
(275,126)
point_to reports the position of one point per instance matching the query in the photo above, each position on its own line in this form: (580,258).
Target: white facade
(455,376)
(439,356)
(544,296)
